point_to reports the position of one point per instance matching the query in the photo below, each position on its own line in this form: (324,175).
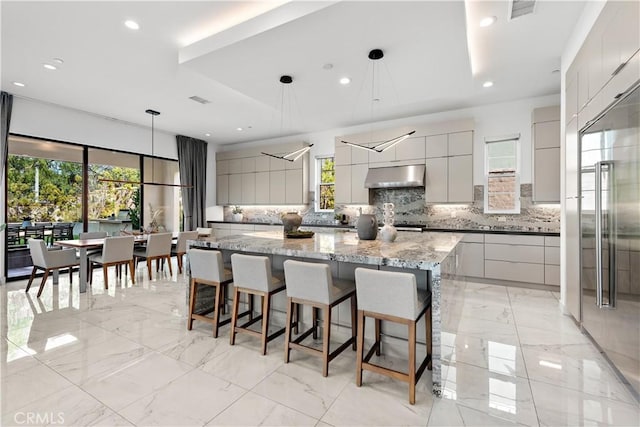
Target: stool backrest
(387,292)
(92,235)
(117,249)
(206,265)
(159,244)
(183,236)
(308,281)
(252,272)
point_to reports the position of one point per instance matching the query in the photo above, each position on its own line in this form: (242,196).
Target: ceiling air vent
(521,7)
(200,100)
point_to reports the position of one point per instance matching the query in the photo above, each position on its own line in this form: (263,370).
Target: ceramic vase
(388,232)
(291,221)
(237,217)
(367,227)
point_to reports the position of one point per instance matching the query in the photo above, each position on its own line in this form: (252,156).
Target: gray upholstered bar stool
(252,276)
(208,269)
(312,284)
(386,295)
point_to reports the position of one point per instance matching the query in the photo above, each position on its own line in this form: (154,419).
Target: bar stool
(385,295)
(311,284)
(252,276)
(207,269)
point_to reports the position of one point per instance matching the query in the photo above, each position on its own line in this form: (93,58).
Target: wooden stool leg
(378,343)
(250,303)
(297,318)
(287,331)
(234,316)
(105,273)
(326,337)
(360,351)
(224,297)
(71,275)
(216,310)
(354,321)
(412,362)
(192,303)
(266,300)
(314,322)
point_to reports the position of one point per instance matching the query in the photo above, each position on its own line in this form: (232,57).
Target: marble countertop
(420,251)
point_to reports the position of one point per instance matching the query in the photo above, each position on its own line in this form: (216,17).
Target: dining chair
(180,248)
(204,231)
(115,251)
(158,248)
(87,235)
(49,259)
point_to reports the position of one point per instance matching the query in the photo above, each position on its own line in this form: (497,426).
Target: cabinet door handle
(617,70)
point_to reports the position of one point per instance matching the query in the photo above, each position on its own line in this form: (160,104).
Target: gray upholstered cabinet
(247,177)
(545,129)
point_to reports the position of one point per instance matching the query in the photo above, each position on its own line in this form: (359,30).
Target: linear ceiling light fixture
(375,55)
(294,155)
(153,114)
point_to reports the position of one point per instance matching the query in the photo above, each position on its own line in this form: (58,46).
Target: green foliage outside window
(327,183)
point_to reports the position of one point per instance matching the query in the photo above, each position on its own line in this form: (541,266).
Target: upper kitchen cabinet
(545,129)
(411,149)
(248,177)
(449,168)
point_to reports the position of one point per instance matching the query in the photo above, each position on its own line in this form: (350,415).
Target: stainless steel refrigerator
(610,235)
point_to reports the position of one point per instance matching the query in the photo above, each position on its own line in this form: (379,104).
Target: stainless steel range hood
(395,177)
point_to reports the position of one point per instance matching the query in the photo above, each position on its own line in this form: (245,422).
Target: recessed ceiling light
(488,83)
(489,20)
(58,61)
(239,129)
(327,66)
(18,84)
(50,67)
(132,25)
(345,81)
(207,134)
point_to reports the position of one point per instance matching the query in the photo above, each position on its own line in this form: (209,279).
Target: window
(502,181)
(326,179)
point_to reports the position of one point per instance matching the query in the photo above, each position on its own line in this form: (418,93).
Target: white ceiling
(233,53)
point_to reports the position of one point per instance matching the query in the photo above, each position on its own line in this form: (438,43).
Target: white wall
(54,122)
(490,120)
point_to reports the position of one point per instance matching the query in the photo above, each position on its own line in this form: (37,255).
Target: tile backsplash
(410,209)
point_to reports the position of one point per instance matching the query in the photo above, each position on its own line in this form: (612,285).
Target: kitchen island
(422,253)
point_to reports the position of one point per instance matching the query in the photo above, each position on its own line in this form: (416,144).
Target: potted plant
(237,214)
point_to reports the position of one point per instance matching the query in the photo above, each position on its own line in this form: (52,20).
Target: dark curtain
(7,104)
(192,160)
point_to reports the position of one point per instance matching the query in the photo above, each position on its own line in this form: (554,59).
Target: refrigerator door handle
(600,167)
(598,236)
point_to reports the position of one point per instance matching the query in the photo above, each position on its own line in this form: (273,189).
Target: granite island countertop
(420,251)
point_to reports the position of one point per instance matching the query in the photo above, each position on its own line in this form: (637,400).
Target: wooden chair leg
(44,280)
(234,316)
(149,269)
(33,275)
(105,273)
(412,362)
(216,310)
(131,270)
(192,303)
(314,322)
(287,331)
(326,337)
(379,344)
(71,275)
(223,302)
(90,273)
(360,351)
(354,321)
(266,300)
(169,263)
(179,257)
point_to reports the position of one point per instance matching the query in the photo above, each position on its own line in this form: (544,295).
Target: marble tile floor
(125,357)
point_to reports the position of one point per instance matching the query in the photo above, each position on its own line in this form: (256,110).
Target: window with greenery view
(326,178)
(502,181)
